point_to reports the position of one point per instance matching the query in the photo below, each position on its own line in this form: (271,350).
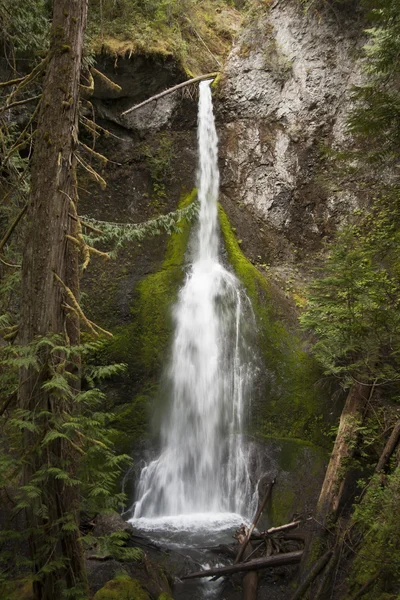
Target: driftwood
(389,448)
(282,528)
(313,574)
(290,558)
(255,521)
(169,91)
(99,557)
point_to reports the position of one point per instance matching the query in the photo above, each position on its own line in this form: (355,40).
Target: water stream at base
(200,480)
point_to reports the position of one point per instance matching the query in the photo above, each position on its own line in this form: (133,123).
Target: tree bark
(334,482)
(389,448)
(48,252)
(169,91)
(255,521)
(313,574)
(289,558)
(250,580)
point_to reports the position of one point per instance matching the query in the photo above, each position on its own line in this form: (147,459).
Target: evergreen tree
(375,122)
(49,385)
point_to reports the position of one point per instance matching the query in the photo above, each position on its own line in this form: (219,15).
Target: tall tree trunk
(334,485)
(345,443)
(48,252)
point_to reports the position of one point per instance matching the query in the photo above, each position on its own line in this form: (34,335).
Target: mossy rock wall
(143,342)
(288,403)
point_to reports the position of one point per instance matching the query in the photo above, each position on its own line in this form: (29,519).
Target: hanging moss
(291,406)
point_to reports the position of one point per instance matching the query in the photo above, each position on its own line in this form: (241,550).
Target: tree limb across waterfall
(170,90)
(289,558)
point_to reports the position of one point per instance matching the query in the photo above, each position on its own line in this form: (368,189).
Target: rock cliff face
(283,103)
(281,108)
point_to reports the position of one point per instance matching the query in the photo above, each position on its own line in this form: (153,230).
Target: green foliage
(292,405)
(192,31)
(119,234)
(24,25)
(376,518)
(353,308)
(122,587)
(114,545)
(88,461)
(376,118)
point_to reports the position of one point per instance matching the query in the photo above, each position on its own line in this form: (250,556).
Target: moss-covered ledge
(291,404)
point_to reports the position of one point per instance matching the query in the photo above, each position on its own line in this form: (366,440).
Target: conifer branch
(93,127)
(87,90)
(7,264)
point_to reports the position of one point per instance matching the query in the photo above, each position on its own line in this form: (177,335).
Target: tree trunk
(334,482)
(389,448)
(250,580)
(48,252)
(278,560)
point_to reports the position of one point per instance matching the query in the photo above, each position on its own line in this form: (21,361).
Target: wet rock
(288,82)
(110,523)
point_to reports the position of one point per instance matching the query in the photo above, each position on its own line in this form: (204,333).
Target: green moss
(142,344)
(292,407)
(131,420)
(164,596)
(300,465)
(18,589)
(122,587)
(195,34)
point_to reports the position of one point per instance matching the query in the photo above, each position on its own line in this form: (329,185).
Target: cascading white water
(203,467)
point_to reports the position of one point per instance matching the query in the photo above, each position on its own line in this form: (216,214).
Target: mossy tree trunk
(346,440)
(52,519)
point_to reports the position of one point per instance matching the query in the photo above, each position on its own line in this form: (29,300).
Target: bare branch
(170,90)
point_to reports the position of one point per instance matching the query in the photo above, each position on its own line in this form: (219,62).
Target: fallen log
(228,549)
(297,536)
(366,586)
(313,574)
(290,558)
(325,581)
(285,527)
(334,483)
(255,521)
(389,448)
(169,91)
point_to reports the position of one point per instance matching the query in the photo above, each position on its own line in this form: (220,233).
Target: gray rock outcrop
(283,105)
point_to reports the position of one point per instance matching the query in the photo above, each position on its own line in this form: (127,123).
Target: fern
(118,234)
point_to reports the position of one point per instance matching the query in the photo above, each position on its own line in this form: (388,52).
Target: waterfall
(203,464)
